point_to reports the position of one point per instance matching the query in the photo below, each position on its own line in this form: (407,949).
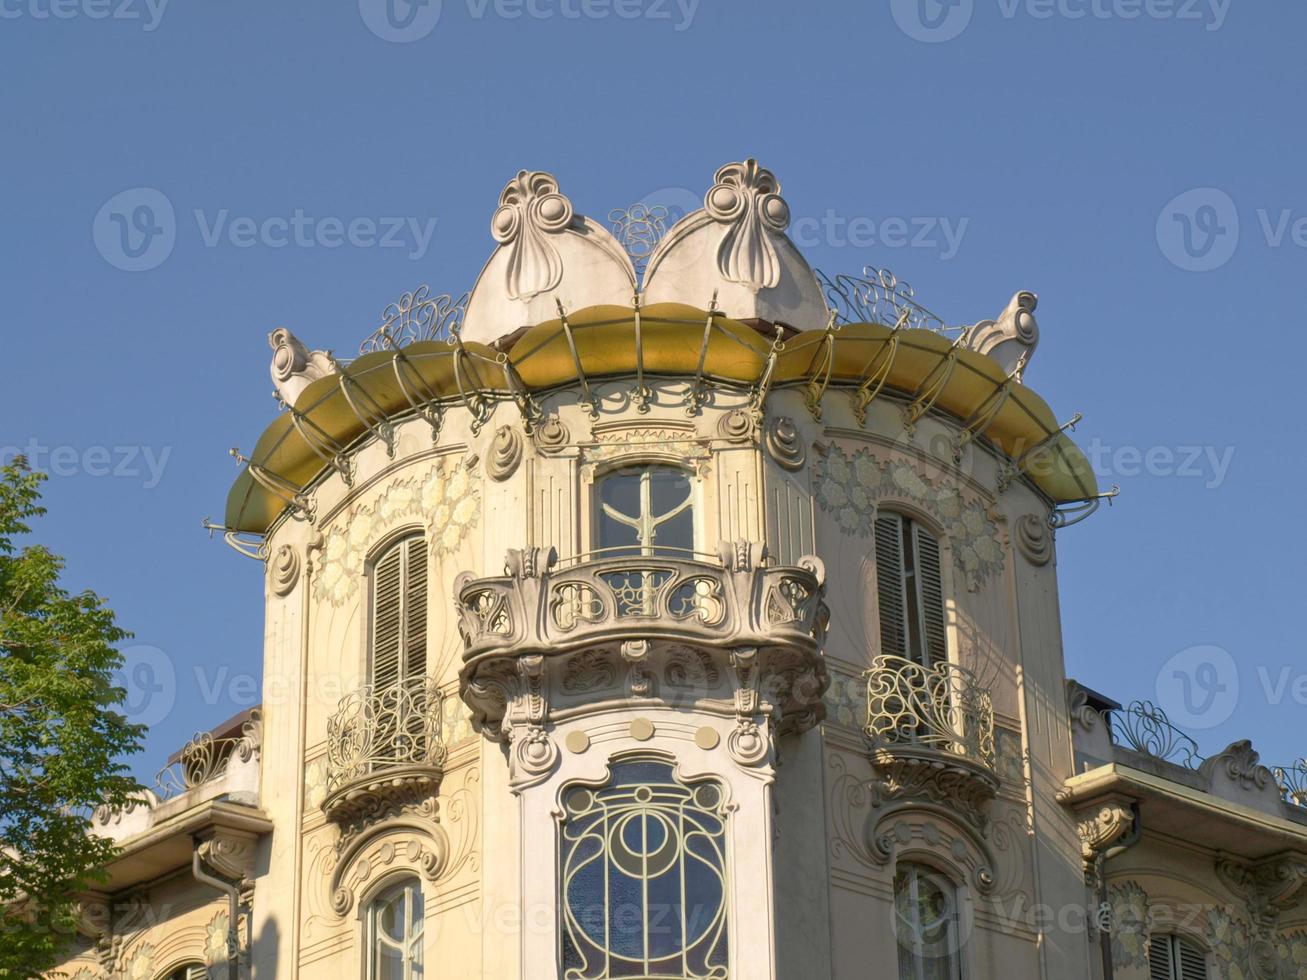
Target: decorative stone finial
(1011,339)
(747,199)
(294,366)
(530,210)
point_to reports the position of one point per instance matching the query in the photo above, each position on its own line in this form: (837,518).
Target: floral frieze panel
(846,701)
(448,499)
(848,487)
(1231,940)
(1128,907)
(1292,948)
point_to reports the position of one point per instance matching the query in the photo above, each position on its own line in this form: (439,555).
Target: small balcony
(384,748)
(932,728)
(678,626)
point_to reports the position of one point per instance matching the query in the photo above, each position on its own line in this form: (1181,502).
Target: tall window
(644,510)
(910,591)
(190,971)
(643,876)
(926,923)
(1175,958)
(394,939)
(399,614)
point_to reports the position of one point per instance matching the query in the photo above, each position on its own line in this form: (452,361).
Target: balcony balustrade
(932,729)
(384,746)
(673,626)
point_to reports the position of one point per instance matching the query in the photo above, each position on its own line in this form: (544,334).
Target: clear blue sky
(1054,134)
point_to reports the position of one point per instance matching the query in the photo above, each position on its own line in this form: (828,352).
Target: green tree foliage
(62,737)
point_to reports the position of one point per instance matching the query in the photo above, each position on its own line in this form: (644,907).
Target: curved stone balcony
(384,749)
(931,731)
(725,632)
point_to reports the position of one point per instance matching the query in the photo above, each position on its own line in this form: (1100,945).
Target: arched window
(1175,958)
(394,933)
(643,876)
(645,510)
(399,614)
(926,924)
(189,971)
(910,591)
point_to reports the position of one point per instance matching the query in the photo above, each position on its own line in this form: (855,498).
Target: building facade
(665,608)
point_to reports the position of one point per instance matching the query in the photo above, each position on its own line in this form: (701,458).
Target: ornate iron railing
(877,296)
(730,601)
(1144,727)
(417,316)
(204,758)
(1293,783)
(941,707)
(375,730)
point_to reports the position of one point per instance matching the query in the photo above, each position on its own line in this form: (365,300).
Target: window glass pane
(926,924)
(395,933)
(643,876)
(645,509)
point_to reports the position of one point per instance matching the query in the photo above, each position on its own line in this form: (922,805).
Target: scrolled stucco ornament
(736,425)
(530,210)
(284,570)
(1011,338)
(505,453)
(1034,539)
(785,444)
(746,744)
(551,435)
(294,367)
(747,197)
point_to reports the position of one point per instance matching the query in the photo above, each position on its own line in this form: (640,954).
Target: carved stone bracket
(1103,826)
(1269,888)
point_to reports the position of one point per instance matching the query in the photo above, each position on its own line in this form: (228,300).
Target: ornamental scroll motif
(849,487)
(448,499)
(530,210)
(747,197)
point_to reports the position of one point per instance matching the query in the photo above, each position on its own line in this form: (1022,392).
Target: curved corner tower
(695,621)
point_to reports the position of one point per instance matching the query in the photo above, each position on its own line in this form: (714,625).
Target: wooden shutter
(891,593)
(1191,960)
(1159,959)
(387,616)
(415,610)
(930,595)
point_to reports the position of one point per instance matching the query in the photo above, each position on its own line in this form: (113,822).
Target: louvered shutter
(415,611)
(387,616)
(930,595)
(1159,959)
(891,592)
(1192,961)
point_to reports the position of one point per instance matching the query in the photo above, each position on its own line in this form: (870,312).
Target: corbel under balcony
(728,634)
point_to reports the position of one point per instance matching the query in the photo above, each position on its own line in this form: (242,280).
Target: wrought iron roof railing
(417,316)
(941,708)
(1144,727)
(205,759)
(878,296)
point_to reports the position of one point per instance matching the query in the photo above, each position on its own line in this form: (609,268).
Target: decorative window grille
(643,877)
(394,939)
(910,591)
(645,510)
(1175,958)
(926,923)
(399,614)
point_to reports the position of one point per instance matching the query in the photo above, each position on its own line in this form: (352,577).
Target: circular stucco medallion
(642,729)
(577,742)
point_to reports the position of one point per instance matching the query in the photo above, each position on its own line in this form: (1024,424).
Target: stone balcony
(728,633)
(931,732)
(384,749)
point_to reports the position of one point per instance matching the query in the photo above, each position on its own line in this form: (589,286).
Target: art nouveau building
(670,610)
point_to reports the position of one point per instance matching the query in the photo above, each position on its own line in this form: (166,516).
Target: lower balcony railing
(941,708)
(382,741)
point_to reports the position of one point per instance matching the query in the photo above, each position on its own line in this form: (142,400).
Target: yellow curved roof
(329,414)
